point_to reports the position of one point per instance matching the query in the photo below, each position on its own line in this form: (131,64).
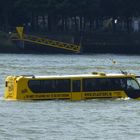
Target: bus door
(132,88)
(76,89)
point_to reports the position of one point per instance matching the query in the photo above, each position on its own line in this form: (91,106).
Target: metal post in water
(21,44)
(20,33)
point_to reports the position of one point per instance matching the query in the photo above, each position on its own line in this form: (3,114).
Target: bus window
(123,83)
(62,85)
(90,84)
(34,85)
(76,85)
(104,84)
(97,84)
(117,83)
(132,84)
(50,85)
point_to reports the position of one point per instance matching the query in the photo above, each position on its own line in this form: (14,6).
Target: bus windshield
(132,84)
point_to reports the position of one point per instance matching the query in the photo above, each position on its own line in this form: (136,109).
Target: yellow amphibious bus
(72,87)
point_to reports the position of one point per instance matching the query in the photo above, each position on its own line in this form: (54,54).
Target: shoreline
(96,44)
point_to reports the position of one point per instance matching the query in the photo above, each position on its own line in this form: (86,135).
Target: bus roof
(81,75)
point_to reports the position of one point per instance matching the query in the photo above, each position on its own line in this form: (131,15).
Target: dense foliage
(67,15)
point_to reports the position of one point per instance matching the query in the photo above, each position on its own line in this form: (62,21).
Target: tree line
(69,15)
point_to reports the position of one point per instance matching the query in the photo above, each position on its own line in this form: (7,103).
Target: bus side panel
(76,96)
(47,96)
(22,88)
(104,94)
(119,94)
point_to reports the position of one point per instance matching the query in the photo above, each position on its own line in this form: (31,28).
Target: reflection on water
(55,120)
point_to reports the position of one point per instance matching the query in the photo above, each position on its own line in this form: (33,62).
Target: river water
(68,120)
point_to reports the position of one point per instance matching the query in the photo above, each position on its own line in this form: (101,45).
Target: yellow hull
(75,87)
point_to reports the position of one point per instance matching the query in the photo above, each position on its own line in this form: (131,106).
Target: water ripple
(67,120)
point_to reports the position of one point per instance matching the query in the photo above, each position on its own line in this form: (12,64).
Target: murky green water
(67,120)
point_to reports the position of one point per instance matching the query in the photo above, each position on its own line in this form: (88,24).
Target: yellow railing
(47,42)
